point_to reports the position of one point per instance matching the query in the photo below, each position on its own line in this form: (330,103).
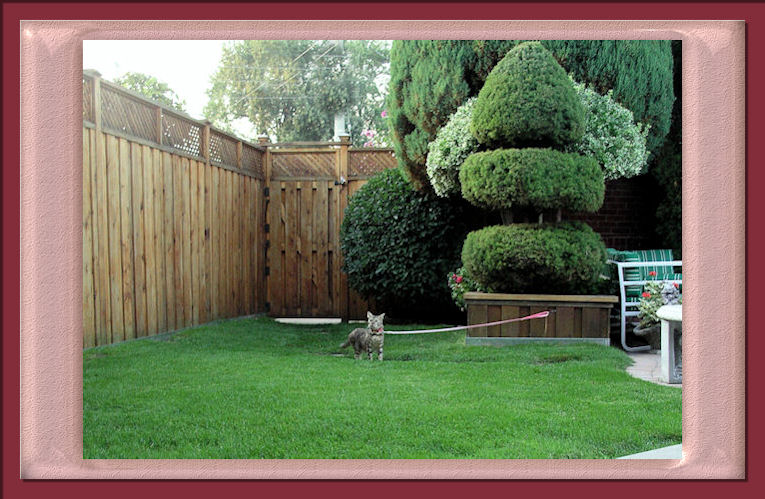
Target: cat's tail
(346,344)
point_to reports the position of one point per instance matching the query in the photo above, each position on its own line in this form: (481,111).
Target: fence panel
(158,221)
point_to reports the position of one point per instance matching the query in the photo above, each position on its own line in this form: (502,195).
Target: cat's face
(375,322)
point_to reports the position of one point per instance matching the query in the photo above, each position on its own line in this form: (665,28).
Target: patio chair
(632,270)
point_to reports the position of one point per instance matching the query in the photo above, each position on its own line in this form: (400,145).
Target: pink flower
(652,273)
(367,144)
(384,114)
(458,279)
(646,294)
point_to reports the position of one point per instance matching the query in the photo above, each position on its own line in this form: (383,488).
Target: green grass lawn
(252,388)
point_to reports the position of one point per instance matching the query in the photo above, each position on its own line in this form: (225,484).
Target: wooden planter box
(572,318)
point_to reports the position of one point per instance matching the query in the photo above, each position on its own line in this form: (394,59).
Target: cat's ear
(382,315)
(369,315)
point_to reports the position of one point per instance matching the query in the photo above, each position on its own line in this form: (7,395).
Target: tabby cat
(368,339)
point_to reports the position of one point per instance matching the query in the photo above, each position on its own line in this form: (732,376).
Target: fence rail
(184,224)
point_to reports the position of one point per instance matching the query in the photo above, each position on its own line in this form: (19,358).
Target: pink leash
(538,315)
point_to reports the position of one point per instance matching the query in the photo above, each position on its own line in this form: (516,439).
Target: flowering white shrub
(611,135)
(448,151)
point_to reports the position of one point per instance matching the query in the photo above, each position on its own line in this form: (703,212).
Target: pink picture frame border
(713,238)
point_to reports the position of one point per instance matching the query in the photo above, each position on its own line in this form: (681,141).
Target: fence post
(342,177)
(96,100)
(206,143)
(263,142)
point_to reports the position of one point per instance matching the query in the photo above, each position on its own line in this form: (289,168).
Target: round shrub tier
(543,179)
(563,258)
(528,100)
(398,243)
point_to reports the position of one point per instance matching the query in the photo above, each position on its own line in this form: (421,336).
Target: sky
(185,65)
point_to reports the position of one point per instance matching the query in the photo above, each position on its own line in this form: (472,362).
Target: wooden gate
(308,186)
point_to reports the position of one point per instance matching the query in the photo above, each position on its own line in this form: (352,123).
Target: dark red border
(13,487)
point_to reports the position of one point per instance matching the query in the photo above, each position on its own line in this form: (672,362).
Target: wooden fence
(184,224)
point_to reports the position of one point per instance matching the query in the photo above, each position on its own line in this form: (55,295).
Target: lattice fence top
(369,162)
(124,113)
(223,149)
(304,164)
(182,134)
(252,160)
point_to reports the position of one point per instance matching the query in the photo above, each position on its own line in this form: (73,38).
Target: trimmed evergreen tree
(529,100)
(430,79)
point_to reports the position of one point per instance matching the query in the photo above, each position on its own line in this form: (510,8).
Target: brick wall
(627,218)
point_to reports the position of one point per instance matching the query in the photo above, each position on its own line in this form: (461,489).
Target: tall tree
(292,89)
(151,88)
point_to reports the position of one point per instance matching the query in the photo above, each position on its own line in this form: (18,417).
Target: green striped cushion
(662,271)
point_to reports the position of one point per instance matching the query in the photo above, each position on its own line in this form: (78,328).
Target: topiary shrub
(398,243)
(448,151)
(611,135)
(543,179)
(562,258)
(516,110)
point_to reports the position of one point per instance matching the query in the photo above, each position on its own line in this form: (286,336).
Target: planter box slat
(572,317)
(511,329)
(494,314)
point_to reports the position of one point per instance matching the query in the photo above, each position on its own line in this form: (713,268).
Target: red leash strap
(538,315)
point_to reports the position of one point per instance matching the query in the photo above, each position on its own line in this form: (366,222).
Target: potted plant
(655,295)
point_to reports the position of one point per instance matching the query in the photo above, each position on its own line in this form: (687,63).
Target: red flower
(676,285)
(459,279)
(652,273)
(646,294)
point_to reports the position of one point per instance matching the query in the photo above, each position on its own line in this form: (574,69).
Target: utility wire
(293,62)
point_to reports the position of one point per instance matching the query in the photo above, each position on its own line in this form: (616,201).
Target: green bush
(611,135)
(430,79)
(563,258)
(398,243)
(528,101)
(448,151)
(543,179)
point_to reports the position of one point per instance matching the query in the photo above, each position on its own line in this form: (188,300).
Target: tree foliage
(292,89)
(430,79)
(611,135)
(151,88)
(668,171)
